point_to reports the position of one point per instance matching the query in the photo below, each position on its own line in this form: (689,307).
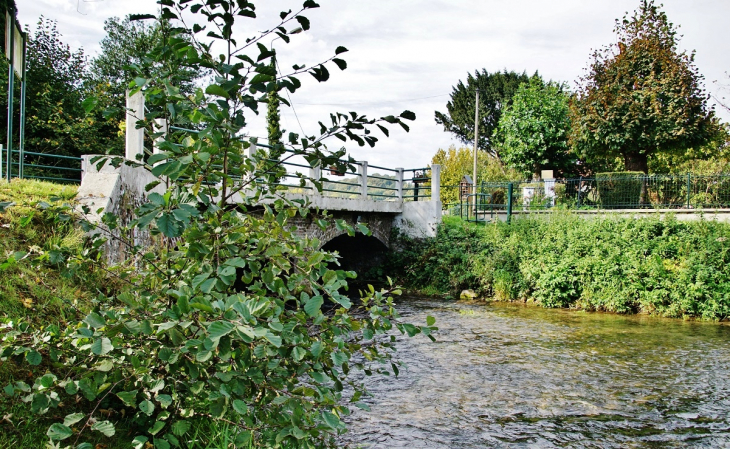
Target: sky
(408,54)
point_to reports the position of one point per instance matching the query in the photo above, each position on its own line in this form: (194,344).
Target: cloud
(403,51)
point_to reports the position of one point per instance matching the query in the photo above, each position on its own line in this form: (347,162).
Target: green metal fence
(43,166)
(608,192)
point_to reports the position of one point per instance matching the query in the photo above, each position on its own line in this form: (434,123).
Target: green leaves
(217,90)
(59,432)
(218,329)
(33,357)
(101,346)
(314,305)
(105,427)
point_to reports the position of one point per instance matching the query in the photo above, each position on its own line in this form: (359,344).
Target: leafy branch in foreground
(230,316)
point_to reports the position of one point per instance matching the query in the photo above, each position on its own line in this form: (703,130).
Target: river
(507,375)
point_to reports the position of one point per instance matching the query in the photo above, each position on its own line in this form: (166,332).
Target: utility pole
(476,140)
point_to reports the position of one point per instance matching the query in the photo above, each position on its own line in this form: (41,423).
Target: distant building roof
(467,179)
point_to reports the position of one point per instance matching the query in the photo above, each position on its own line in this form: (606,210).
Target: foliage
(533,131)
(232,317)
(663,267)
(620,190)
(495,93)
(455,163)
(641,96)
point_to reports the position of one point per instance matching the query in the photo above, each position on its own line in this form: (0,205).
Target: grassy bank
(662,267)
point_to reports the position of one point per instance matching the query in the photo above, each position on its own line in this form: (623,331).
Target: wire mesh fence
(611,192)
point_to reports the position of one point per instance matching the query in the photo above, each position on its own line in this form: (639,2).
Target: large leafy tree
(641,96)
(533,131)
(224,320)
(495,93)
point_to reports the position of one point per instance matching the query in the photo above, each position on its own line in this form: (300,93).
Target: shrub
(620,190)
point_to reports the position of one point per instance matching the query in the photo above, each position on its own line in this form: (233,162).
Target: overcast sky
(408,54)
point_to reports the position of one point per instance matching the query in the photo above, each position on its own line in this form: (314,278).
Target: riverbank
(622,265)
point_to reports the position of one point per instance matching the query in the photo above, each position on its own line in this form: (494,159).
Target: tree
(223,320)
(533,131)
(495,93)
(457,162)
(641,96)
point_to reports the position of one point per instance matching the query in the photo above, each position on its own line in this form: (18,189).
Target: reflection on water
(504,375)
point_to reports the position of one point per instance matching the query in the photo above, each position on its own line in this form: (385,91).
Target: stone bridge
(121,189)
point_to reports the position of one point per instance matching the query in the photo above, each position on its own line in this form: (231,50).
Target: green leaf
(430,321)
(340,63)
(156,427)
(218,329)
(147,407)
(273,339)
(161,444)
(313,306)
(331,420)
(101,346)
(139,442)
(240,407)
(33,357)
(339,358)
(89,104)
(105,427)
(165,400)
(180,428)
(340,49)
(58,432)
(217,90)
(95,320)
(169,225)
(73,418)
(129,398)
(408,115)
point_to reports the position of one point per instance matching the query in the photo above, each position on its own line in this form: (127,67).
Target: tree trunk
(638,162)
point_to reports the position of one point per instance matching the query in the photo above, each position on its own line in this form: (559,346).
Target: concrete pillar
(435,182)
(135,137)
(315,174)
(362,171)
(399,182)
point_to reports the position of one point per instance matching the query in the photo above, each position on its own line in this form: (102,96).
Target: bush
(620,190)
(662,267)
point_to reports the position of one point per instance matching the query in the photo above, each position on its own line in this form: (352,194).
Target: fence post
(135,137)
(689,186)
(362,170)
(315,174)
(399,182)
(509,202)
(580,187)
(435,182)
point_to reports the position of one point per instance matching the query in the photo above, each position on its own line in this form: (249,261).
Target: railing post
(435,182)
(315,174)
(362,170)
(135,137)
(509,202)
(689,186)
(580,186)
(399,182)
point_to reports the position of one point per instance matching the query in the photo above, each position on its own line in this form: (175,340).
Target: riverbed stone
(468,294)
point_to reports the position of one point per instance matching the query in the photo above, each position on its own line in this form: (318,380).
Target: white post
(315,174)
(250,153)
(362,170)
(160,126)
(399,182)
(435,182)
(135,137)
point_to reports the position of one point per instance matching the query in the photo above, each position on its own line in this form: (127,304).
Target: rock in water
(468,294)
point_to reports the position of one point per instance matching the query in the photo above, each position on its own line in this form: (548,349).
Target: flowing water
(505,375)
